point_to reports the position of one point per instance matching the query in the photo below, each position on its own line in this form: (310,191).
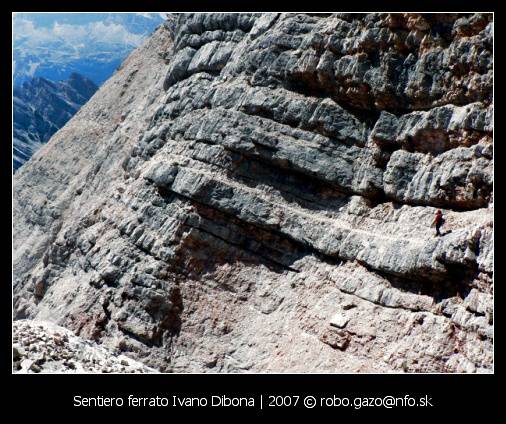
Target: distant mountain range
(59,60)
(54,45)
(42,107)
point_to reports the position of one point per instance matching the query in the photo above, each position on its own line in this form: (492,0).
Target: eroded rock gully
(255,193)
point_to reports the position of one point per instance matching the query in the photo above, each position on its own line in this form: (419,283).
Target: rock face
(255,193)
(42,107)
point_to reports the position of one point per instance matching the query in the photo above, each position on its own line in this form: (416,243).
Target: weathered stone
(260,173)
(17,353)
(339,321)
(74,356)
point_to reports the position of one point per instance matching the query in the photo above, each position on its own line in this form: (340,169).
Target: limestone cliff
(255,193)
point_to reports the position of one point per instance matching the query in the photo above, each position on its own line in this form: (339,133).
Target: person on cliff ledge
(438,222)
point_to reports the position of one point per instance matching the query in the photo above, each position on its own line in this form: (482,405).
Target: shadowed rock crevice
(211,226)
(457,281)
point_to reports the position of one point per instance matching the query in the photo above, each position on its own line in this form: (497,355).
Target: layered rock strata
(255,193)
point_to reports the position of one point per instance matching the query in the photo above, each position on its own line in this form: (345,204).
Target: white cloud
(25,30)
(26,33)
(145,15)
(114,34)
(150,15)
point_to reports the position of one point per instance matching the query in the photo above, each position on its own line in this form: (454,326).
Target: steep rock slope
(41,107)
(264,201)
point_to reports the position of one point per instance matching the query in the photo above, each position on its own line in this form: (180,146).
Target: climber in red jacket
(438,222)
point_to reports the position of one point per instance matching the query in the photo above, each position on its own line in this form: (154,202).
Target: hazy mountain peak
(41,107)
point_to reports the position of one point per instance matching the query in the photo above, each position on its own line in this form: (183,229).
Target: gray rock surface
(255,193)
(43,347)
